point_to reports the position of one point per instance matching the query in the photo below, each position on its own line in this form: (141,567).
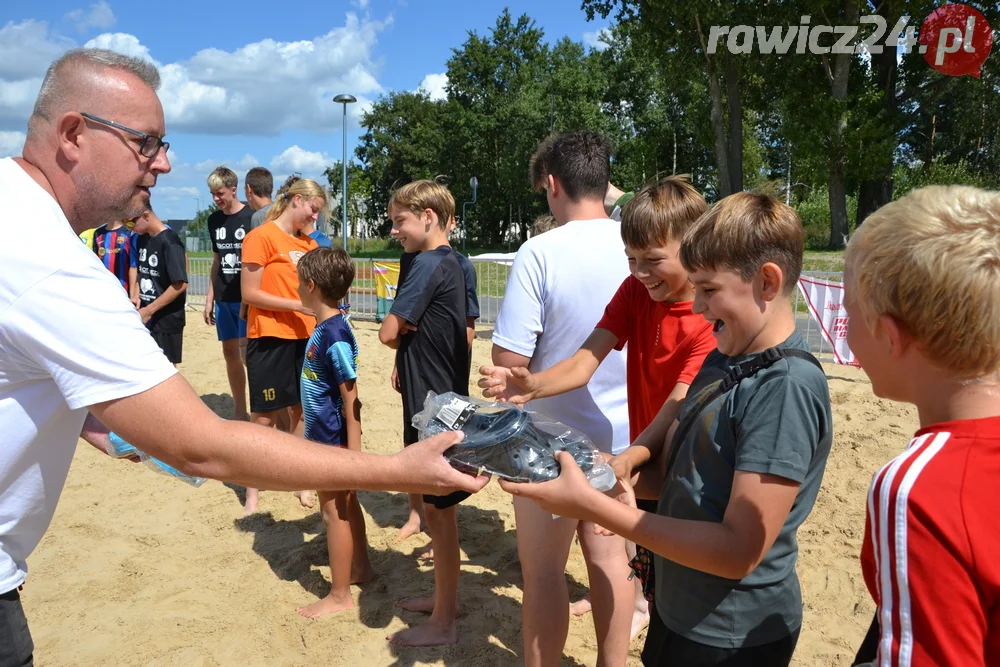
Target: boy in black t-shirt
(427,326)
(226,228)
(162,283)
(412,525)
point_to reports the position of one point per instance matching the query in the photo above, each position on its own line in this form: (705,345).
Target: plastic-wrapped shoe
(506,441)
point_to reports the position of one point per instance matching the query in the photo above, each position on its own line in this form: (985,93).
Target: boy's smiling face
(660,271)
(737,309)
(410,228)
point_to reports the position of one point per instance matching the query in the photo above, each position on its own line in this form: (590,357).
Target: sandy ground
(140,569)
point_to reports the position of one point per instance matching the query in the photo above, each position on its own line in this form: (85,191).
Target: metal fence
(491,281)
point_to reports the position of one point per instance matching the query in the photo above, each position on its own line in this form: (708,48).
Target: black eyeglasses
(150,144)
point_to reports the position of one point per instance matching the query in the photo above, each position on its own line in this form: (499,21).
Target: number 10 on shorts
(269,394)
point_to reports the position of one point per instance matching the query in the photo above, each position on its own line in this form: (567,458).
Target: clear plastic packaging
(119,448)
(507,441)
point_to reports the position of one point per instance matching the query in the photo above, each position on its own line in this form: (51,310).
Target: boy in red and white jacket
(922,280)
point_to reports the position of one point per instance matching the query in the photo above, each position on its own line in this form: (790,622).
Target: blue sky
(249,83)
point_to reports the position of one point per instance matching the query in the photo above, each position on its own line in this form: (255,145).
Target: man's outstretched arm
(172,424)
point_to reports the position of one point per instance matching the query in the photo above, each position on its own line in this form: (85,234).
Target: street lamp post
(474,184)
(345,100)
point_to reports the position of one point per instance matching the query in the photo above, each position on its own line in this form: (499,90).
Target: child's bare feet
(251,504)
(306,499)
(581,607)
(362,575)
(423,605)
(328,605)
(425,553)
(409,529)
(429,634)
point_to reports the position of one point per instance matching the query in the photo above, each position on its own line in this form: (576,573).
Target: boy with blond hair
(413,522)
(227,227)
(651,312)
(745,460)
(427,327)
(922,282)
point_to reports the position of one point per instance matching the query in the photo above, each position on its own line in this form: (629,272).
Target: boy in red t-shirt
(922,280)
(652,313)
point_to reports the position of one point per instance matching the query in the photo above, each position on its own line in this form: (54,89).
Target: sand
(140,569)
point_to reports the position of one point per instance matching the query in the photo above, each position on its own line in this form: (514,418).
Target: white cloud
(11,143)
(98,16)
(172,192)
(296,159)
(122,43)
(434,85)
(593,39)
(244,164)
(262,88)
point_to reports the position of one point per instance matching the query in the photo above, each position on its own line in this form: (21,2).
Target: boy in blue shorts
(332,414)
(226,228)
(427,325)
(743,462)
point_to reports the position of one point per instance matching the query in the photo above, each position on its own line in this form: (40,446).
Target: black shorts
(666,648)
(16,647)
(170,343)
(274,367)
(444,502)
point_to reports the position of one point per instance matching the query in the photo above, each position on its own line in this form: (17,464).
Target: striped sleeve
(929,611)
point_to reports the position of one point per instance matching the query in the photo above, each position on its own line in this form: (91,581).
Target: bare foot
(428,634)
(640,619)
(409,529)
(362,576)
(306,499)
(581,607)
(422,605)
(251,505)
(328,605)
(425,553)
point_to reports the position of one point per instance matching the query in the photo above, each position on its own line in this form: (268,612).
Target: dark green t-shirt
(776,422)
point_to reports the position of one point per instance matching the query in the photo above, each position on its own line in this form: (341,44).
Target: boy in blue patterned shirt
(332,414)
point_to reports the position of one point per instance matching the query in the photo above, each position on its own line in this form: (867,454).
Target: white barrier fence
(491,282)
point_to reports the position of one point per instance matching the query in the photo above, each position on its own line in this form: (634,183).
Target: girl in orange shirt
(278,325)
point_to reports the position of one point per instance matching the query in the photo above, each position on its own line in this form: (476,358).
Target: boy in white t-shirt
(555,294)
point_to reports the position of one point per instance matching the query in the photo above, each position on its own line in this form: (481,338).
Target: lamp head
(345,99)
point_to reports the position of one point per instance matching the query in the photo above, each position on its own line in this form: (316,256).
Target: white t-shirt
(556,293)
(69,338)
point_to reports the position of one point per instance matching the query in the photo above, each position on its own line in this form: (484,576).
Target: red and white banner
(825,299)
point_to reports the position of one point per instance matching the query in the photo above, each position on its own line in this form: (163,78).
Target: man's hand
(305,311)
(406,328)
(508,385)
(394,380)
(569,495)
(145,314)
(135,301)
(244,310)
(209,313)
(428,471)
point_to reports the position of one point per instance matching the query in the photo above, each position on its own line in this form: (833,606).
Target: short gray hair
(54,86)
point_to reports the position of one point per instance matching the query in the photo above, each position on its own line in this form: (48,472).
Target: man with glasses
(59,309)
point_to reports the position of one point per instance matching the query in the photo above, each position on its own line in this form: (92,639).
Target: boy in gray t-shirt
(746,473)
